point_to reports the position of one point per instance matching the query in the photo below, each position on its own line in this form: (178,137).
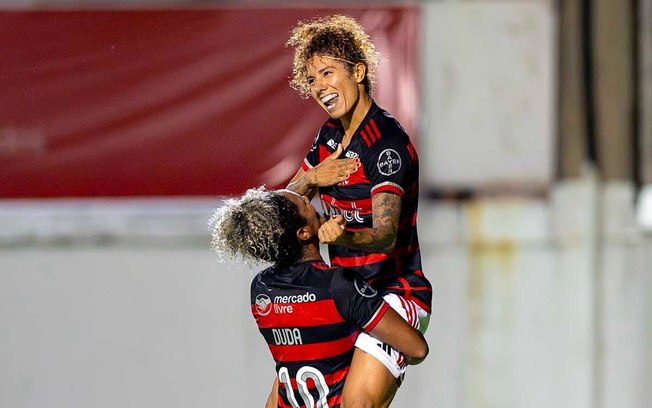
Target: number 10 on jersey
(303,375)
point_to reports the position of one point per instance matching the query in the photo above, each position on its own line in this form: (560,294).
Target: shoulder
(382,132)
(262,280)
(392,142)
(388,123)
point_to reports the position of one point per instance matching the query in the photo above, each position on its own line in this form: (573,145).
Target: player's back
(309,339)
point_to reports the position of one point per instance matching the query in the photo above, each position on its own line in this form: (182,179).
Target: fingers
(338,219)
(331,172)
(331,230)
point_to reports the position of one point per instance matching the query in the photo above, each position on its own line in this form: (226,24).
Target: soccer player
(366,170)
(309,315)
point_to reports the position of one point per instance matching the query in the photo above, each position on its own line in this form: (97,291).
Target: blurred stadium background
(124,123)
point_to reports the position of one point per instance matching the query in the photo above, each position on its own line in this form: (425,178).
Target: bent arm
(386,211)
(303,184)
(395,331)
(329,172)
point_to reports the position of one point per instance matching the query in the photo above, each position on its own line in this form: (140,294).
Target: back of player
(310,318)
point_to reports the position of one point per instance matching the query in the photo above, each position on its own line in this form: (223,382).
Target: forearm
(395,331)
(272,399)
(303,183)
(380,239)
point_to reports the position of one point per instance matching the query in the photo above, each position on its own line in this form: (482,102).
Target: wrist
(311,180)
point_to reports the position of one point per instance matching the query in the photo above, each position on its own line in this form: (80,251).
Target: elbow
(423,352)
(419,353)
(389,245)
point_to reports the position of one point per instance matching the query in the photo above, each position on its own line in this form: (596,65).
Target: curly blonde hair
(337,36)
(259,226)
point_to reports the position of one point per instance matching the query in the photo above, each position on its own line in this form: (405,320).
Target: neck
(351,121)
(310,252)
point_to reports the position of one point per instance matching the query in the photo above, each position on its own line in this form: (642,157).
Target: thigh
(369,383)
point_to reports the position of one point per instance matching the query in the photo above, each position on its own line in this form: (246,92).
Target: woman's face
(333,86)
(306,209)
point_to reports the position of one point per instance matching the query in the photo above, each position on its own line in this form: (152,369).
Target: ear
(304,233)
(359,72)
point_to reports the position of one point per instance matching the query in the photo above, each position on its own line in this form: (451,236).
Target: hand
(331,230)
(333,170)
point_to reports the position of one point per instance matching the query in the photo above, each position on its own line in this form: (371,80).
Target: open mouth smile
(329,100)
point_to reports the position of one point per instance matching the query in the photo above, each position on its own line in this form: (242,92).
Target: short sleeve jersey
(310,317)
(389,164)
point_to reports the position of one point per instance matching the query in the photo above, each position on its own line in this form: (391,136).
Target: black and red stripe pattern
(310,317)
(370,133)
(390,164)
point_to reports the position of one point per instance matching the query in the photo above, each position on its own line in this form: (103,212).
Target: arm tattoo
(386,209)
(302,186)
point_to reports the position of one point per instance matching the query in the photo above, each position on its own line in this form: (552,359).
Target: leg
(369,383)
(372,379)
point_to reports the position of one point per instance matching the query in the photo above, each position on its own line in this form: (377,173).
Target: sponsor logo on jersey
(389,162)
(283,309)
(287,337)
(386,348)
(351,154)
(331,143)
(364,288)
(263,304)
(283,304)
(303,298)
(350,215)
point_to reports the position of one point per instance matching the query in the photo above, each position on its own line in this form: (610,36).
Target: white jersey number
(303,375)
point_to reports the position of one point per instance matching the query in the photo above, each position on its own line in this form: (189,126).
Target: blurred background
(123,124)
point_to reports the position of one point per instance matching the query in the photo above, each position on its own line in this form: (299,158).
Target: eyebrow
(321,70)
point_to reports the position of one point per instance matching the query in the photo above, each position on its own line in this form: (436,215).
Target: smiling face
(334,87)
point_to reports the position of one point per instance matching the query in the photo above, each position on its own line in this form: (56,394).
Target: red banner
(169,102)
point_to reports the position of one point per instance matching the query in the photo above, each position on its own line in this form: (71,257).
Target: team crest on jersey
(263,304)
(364,288)
(389,162)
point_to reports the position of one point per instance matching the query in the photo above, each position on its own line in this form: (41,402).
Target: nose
(318,85)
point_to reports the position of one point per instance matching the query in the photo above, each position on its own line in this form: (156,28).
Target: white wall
(488,83)
(531,309)
(127,327)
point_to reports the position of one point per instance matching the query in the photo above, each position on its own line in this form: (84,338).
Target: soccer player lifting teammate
(309,314)
(365,170)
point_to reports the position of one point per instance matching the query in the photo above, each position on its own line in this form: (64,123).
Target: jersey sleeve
(388,164)
(356,300)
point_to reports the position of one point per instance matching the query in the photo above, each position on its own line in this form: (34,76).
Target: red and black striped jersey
(389,164)
(310,317)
